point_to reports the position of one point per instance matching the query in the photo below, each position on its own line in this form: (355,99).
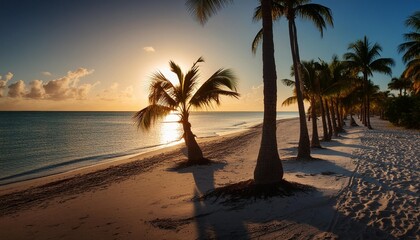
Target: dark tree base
(247,190)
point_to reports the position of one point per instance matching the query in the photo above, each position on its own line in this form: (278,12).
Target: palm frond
(289,101)
(411,49)
(215,86)
(382,65)
(149,115)
(163,94)
(177,70)
(256,41)
(288,82)
(413,21)
(162,91)
(318,14)
(202,10)
(190,81)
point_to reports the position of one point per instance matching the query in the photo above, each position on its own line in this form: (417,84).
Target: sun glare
(169,75)
(171,128)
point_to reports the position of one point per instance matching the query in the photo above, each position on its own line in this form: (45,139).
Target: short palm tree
(269,168)
(320,16)
(411,50)
(165,97)
(364,58)
(400,84)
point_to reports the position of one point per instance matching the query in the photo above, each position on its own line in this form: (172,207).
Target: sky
(98,55)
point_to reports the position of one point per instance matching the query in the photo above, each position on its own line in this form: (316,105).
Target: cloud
(3,82)
(113,93)
(17,89)
(66,87)
(37,90)
(46,74)
(149,49)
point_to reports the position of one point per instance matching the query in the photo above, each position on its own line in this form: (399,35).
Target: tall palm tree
(311,73)
(165,97)
(364,58)
(320,16)
(411,50)
(269,168)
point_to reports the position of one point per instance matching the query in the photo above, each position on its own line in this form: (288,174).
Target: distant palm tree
(411,50)
(165,97)
(320,16)
(364,58)
(269,168)
(400,84)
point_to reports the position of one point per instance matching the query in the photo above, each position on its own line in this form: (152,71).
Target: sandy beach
(366,187)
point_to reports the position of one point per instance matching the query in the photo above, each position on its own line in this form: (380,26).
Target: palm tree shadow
(207,223)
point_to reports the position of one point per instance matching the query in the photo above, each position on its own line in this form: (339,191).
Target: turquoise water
(36,144)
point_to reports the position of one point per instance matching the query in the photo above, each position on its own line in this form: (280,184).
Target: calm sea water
(36,144)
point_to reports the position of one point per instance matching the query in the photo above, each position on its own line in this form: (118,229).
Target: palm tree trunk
(330,127)
(315,138)
(269,168)
(334,119)
(195,155)
(324,121)
(339,119)
(304,148)
(368,112)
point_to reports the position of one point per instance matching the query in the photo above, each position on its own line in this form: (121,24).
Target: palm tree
(400,84)
(364,58)
(165,97)
(311,73)
(411,50)
(269,168)
(320,16)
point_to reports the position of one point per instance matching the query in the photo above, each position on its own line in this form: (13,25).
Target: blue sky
(98,54)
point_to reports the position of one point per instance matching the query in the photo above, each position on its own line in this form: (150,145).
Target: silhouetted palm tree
(165,97)
(310,77)
(400,84)
(269,168)
(320,16)
(364,58)
(411,50)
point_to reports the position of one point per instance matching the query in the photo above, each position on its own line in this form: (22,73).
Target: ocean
(37,144)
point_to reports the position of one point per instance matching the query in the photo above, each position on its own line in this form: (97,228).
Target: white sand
(367,187)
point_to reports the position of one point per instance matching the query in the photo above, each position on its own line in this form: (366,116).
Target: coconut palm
(400,84)
(165,97)
(320,16)
(311,73)
(364,58)
(269,168)
(411,50)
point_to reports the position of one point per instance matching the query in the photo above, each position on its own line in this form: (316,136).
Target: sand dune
(366,188)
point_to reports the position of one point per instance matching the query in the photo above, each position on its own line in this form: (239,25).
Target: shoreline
(144,198)
(68,167)
(115,162)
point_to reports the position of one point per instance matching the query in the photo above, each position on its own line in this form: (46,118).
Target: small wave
(239,124)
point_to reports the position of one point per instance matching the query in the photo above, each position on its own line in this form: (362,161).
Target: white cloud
(48,74)
(149,49)
(17,89)
(113,93)
(3,82)
(66,87)
(37,90)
